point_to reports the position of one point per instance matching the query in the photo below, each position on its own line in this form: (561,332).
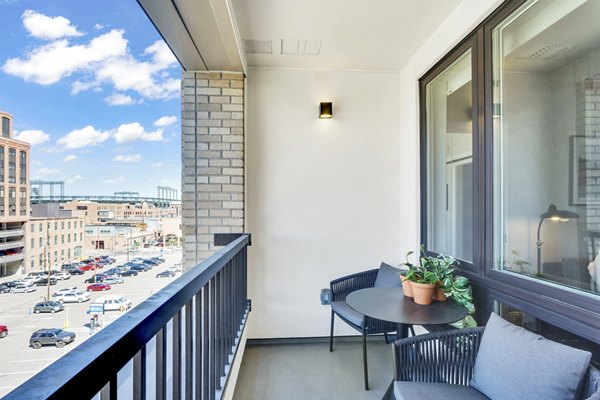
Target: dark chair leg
(366,369)
(331,332)
(387,340)
(412,330)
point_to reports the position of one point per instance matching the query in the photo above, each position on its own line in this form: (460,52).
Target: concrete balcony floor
(310,371)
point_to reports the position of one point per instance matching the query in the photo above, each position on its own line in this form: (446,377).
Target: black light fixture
(553,214)
(325,110)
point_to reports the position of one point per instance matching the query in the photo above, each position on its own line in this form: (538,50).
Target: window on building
(32,263)
(80,236)
(55,239)
(69,238)
(41,242)
(56,256)
(69,254)
(41,227)
(62,239)
(12,166)
(1,163)
(12,201)
(22,167)
(69,225)
(32,227)
(62,225)
(23,201)
(5,127)
(41,257)
(32,243)
(55,225)
(2,211)
(510,150)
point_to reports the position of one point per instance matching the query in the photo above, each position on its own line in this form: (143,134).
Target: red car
(87,267)
(3,331)
(98,287)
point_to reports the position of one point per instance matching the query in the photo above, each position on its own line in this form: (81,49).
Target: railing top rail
(86,369)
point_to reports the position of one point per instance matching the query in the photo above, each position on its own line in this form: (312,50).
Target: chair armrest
(325,296)
(444,357)
(343,286)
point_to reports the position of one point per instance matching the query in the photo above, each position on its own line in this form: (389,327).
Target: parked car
(12,284)
(139,267)
(62,275)
(87,267)
(44,281)
(113,280)
(48,306)
(114,303)
(98,287)
(56,337)
(113,272)
(175,268)
(67,267)
(99,278)
(40,274)
(65,290)
(166,274)
(3,331)
(149,261)
(76,271)
(130,272)
(4,288)
(22,289)
(72,297)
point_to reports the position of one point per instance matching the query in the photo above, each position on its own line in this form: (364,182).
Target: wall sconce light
(325,110)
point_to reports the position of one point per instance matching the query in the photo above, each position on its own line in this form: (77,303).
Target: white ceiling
(356,34)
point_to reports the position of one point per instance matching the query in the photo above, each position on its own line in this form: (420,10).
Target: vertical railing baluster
(188,371)
(177,356)
(198,381)
(161,364)
(139,375)
(213,337)
(206,342)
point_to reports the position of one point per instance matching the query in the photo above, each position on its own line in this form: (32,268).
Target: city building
(53,237)
(95,213)
(14,198)
(114,239)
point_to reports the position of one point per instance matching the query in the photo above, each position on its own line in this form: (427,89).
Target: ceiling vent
(258,46)
(548,52)
(302,47)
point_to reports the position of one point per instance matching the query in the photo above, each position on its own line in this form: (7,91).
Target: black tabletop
(390,304)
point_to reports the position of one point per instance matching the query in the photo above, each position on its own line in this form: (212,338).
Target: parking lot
(19,361)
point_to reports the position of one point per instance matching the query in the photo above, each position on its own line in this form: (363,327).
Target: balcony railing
(12,233)
(11,245)
(177,344)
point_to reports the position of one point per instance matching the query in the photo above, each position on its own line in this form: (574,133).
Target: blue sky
(94,89)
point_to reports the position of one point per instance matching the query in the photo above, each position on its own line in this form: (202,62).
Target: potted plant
(458,289)
(422,279)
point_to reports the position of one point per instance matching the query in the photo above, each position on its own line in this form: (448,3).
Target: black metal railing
(177,344)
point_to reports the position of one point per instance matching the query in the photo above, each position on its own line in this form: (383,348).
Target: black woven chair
(449,358)
(340,288)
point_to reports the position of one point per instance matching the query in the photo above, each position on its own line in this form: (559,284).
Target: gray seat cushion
(388,276)
(513,363)
(342,309)
(437,391)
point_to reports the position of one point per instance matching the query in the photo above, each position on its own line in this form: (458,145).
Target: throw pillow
(513,363)
(388,276)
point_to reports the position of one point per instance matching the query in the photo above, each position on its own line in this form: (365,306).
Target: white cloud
(51,62)
(157,165)
(78,177)
(70,157)
(73,179)
(129,158)
(87,136)
(165,121)
(45,27)
(119,99)
(32,137)
(99,27)
(135,131)
(114,180)
(46,171)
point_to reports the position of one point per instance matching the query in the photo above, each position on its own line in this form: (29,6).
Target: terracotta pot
(438,294)
(406,287)
(423,292)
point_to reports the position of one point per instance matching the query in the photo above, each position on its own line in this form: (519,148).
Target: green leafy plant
(441,269)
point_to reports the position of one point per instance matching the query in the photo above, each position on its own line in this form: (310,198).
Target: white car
(72,297)
(114,303)
(62,275)
(66,290)
(30,280)
(23,289)
(113,280)
(175,268)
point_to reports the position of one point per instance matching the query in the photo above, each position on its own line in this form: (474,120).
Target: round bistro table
(390,304)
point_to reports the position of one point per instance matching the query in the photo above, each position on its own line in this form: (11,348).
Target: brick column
(212,120)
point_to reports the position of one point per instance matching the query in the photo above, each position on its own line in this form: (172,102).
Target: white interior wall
(325,198)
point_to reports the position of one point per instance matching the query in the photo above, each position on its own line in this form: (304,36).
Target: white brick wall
(213,160)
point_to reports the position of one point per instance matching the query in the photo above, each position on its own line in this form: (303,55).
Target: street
(19,361)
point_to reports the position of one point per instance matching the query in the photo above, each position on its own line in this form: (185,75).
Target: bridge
(166,195)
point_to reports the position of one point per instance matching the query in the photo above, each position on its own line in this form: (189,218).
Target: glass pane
(546,67)
(450,160)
